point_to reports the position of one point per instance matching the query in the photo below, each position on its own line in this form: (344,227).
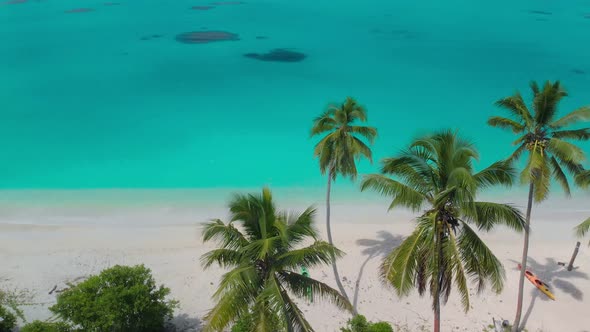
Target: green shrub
(7,319)
(359,323)
(119,299)
(39,326)
(380,327)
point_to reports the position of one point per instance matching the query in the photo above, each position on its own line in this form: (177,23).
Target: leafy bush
(359,323)
(7,319)
(380,327)
(119,299)
(10,300)
(39,326)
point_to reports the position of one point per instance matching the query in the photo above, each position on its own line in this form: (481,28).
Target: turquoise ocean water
(85,102)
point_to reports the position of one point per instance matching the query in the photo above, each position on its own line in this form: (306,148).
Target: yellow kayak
(538,283)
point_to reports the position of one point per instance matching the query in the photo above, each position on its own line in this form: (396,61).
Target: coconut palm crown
(435,176)
(263,248)
(344,140)
(545,137)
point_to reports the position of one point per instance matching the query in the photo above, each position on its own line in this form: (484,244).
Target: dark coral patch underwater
(202,7)
(202,37)
(277,55)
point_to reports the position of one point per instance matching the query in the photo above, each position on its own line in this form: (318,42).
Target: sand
(38,256)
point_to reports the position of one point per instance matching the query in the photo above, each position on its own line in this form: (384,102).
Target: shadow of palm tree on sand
(379,247)
(554,275)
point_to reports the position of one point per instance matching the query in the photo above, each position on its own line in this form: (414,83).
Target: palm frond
(301,226)
(369,133)
(401,268)
(323,123)
(402,194)
(280,300)
(300,284)
(583,228)
(319,253)
(498,173)
(227,310)
(505,123)
(359,149)
(454,261)
(228,236)
(223,257)
(559,175)
(581,114)
(545,103)
(583,178)
(411,166)
(542,180)
(489,214)
(516,106)
(576,134)
(481,264)
(565,151)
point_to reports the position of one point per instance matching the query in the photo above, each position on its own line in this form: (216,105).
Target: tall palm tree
(435,175)
(550,155)
(340,147)
(264,255)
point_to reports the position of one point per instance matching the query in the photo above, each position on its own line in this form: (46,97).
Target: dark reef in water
(203,37)
(540,12)
(578,71)
(261,37)
(202,7)
(277,55)
(150,37)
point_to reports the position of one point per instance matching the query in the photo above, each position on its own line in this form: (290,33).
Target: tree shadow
(381,246)
(184,323)
(553,275)
(526,316)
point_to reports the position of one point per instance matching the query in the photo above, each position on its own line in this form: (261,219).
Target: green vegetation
(10,312)
(360,324)
(583,228)
(338,150)
(119,299)
(436,174)
(39,326)
(550,156)
(7,319)
(263,253)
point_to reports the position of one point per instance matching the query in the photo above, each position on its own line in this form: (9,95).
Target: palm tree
(550,155)
(264,257)
(339,149)
(435,175)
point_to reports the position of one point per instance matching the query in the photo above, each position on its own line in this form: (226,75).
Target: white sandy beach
(37,255)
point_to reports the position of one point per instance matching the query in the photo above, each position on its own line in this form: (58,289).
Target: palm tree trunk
(525,252)
(439,283)
(329,231)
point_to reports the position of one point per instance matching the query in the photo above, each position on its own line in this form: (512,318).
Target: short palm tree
(342,144)
(435,175)
(550,155)
(583,228)
(264,254)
